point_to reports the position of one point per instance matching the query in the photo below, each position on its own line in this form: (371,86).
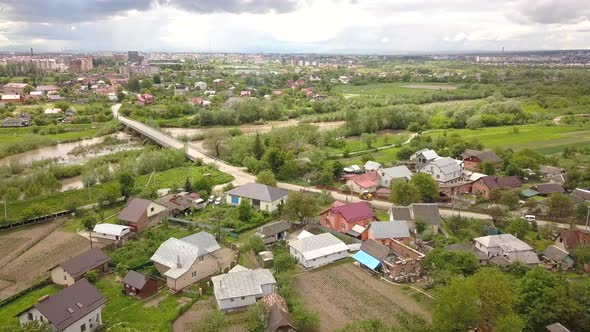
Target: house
(364,182)
(344,217)
(276,231)
(176,204)
(141,214)
(218,83)
(279,319)
(14,88)
(73,309)
(180,89)
(262,197)
(22,121)
(201,85)
(549,171)
(444,170)
(423,157)
(427,213)
(317,250)
(473,158)
(139,285)
(241,287)
(390,174)
(52,111)
(145,99)
(469,247)
(196,101)
(506,248)
(76,267)
(246,93)
(580,196)
(15,99)
(546,189)
(46,88)
(112,232)
(344,79)
(556,327)
(396,260)
(188,260)
(372,166)
(485,185)
(371,254)
(558,258)
(559,178)
(384,231)
(570,239)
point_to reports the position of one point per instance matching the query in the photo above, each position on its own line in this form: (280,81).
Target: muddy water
(71,183)
(60,152)
(251,129)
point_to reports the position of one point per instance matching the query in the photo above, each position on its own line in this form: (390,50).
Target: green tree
(91,276)
(463,263)
(368,139)
(127,183)
(215,141)
(256,317)
(274,158)
(212,321)
(188,186)
(560,206)
(427,187)
(487,167)
(266,177)
(245,210)
(146,83)
(300,206)
(157,79)
(518,227)
(404,193)
(89,222)
(133,84)
(254,244)
(120,96)
(202,184)
(510,199)
(258,147)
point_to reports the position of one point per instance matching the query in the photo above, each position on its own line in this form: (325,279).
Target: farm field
(391,89)
(189,320)
(343,293)
(541,138)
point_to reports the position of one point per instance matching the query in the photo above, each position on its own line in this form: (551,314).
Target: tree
(461,262)
(27,89)
(254,244)
(245,210)
(427,187)
(202,184)
(91,276)
(212,321)
(89,222)
(518,227)
(368,139)
(497,213)
(215,140)
(510,199)
(121,96)
(127,183)
(258,147)
(266,177)
(32,326)
(487,167)
(157,79)
(560,206)
(274,158)
(300,206)
(188,187)
(404,193)
(133,84)
(256,317)
(146,84)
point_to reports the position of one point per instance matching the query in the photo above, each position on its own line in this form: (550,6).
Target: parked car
(211,199)
(218,201)
(530,218)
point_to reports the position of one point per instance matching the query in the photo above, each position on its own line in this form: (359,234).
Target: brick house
(486,184)
(472,159)
(570,239)
(344,218)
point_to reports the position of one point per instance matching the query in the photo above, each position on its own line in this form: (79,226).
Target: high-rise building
(133,57)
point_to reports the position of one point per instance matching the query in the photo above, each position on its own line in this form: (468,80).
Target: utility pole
(6,210)
(587,215)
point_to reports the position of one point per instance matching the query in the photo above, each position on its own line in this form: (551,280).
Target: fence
(38,285)
(37,220)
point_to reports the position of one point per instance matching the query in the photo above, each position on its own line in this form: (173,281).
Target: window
(194,274)
(152,210)
(201,259)
(243,297)
(438,176)
(65,277)
(30,316)
(41,318)
(343,226)
(83,327)
(231,300)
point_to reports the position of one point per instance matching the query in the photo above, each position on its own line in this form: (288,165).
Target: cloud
(553,11)
(235,6)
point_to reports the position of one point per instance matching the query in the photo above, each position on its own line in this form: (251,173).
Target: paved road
(242,177)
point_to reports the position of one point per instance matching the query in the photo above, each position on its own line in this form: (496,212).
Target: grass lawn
(544,139)
(383,139)
(7,319)
(538,245)
(388,89)
(124,313)
(386,157)
(75,224)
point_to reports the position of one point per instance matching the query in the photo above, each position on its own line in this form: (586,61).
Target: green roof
(529,193)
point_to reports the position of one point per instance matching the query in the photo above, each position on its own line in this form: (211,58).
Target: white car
(211,199)
(530,218)
(218,201)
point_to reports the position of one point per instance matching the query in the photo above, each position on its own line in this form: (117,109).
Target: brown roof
(375,249)
(549,188)
(401,213)
(70,304)
(573,237)
(274,228)
(134,210)
(580,195)
(486,155)
(85,262)
(175,202)
(278,318)
(550,170)
(135,279)
(501,182)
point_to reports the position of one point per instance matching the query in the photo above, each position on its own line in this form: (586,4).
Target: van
(530,217)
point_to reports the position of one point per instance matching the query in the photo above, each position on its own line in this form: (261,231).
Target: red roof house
(145,99)
(485,185)
(368,181)
(572,238)
(344,217)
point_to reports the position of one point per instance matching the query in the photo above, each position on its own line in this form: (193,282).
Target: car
(211,199)
(530,218)
(218,201)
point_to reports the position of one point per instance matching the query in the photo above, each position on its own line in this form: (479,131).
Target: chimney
(178,265)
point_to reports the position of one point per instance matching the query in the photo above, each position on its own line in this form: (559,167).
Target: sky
(294,26)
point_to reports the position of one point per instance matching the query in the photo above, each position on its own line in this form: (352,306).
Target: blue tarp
(367,260)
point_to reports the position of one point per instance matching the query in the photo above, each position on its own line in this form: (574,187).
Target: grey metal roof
(259,192)
(467,247)
(397,172)
(427,153)
(62,309)
(318,245)
(426,212)
(241,283)
(508,242)
(203,240)
(85,262)
(526,257)
(580,195)
(274,228)
(401,213)
(375,249)
(446,165)
(389,229)
(556,327)
(555,253)
(135,279)
(372,165)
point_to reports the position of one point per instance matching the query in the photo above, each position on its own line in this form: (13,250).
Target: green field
(541,138)
(7,319)
(387,89)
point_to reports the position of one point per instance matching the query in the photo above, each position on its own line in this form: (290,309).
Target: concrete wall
(318,261)
(264,206)
(236,303)
(61,277)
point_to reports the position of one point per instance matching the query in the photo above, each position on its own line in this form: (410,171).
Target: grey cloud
(553,11)
(235,6)
(67,10)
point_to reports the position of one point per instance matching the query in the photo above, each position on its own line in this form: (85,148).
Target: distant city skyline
(294,26)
